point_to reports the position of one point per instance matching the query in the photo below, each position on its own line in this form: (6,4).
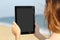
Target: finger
(15,25)
(36,26)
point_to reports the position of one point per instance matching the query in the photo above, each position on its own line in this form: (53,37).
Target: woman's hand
(36,30)
(16,31)
(38,34)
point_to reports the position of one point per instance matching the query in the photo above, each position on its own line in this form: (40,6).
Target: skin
(55,36)
(16,32)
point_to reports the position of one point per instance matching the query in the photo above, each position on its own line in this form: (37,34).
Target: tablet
(25,18)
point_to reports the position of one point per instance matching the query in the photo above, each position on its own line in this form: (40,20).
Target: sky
(7,6)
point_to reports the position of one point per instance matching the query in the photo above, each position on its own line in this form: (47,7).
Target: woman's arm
(16,31)
(38,34)
(17,37)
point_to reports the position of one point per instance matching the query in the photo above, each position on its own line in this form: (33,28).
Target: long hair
(52,14)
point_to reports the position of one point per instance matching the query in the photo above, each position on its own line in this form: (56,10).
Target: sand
(6,34)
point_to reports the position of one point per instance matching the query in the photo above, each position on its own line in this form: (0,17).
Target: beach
(6,34)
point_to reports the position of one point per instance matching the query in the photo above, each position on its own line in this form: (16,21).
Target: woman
(52,14)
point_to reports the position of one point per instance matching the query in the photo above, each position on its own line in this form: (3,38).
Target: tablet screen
(25,18)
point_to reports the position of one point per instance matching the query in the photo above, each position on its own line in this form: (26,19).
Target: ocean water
(7,20)
(39,19)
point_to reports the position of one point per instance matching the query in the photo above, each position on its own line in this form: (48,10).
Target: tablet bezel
(33,17)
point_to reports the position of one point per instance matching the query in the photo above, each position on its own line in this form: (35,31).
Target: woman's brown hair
(52,14)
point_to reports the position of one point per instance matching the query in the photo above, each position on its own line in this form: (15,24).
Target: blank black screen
(25,18)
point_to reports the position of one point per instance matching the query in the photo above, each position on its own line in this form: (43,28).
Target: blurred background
(7,12)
